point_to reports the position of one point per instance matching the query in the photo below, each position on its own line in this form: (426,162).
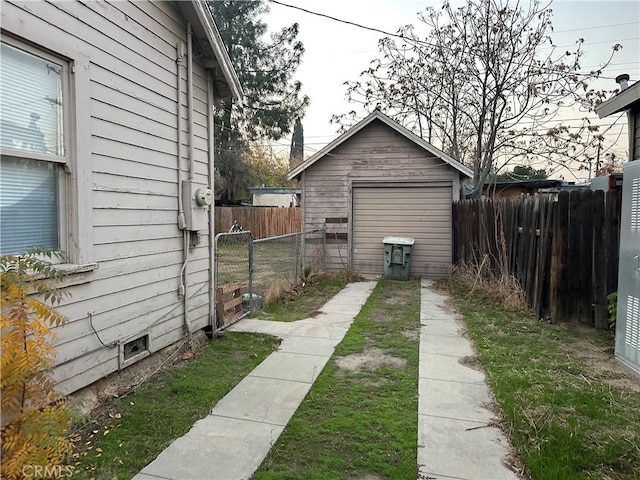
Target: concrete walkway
(455,439)
(231,442)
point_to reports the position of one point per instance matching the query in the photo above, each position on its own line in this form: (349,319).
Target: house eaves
(620,102)
(211,48)
(378,115)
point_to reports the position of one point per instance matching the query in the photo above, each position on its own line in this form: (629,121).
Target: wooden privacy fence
(262,222)
(563,252)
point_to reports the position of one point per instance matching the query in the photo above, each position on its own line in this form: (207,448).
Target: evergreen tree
(296,156)
(272,101)
(522,173)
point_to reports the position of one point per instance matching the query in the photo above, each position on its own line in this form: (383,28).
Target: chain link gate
(233,277)
(249,273)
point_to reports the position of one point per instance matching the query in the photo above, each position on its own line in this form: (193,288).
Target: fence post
(296,274)
(599,262)
(557,287)
(250,252)
(612,219)
(586,282)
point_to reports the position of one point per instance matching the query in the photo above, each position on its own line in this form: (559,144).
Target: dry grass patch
(472,362)
(498,287)
(411,334)
(370,359)
(277,290)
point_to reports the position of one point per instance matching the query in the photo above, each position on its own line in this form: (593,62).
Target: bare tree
(486,85)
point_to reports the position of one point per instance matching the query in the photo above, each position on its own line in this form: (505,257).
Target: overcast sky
(336,52)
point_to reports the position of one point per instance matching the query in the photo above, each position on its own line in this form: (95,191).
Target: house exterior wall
(375,154)
(126,104)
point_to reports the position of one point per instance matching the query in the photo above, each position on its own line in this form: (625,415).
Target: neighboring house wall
(124,171)
(376,155)
(634,133)
(275,200)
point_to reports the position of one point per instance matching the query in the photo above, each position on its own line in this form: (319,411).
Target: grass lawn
(132,430)
(360,418)
(572,413)
(300,304)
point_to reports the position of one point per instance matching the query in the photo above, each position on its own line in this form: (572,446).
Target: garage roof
(378,115)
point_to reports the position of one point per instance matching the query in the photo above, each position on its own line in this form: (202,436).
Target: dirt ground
(369,360)
(601,364)
(92,397)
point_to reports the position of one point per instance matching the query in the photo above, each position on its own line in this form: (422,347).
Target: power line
(593,28)
(329,17)
(586,44)
(396,35)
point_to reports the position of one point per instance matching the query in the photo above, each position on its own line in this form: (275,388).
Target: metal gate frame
(218,326)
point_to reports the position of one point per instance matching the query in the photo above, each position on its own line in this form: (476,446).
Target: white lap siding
(133,106)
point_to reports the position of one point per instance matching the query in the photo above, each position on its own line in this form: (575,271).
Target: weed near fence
(563,253)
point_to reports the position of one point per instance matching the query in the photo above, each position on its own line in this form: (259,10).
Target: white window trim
(76,216)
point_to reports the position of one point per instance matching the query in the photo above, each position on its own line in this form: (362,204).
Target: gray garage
(379,179)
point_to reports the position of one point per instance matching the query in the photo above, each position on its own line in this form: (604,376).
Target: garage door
(423,213)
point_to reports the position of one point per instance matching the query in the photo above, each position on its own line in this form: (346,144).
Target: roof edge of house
(205,17)
(620,101)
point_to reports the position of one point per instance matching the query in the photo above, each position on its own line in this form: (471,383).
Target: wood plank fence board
(563,251)
(262,222)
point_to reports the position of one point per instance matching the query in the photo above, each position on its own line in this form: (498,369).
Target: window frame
(75,220)
(62,161)
(66,107)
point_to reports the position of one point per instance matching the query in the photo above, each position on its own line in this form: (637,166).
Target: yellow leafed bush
(33,423)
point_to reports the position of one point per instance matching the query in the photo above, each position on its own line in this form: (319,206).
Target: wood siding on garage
(376,154)
(420,212)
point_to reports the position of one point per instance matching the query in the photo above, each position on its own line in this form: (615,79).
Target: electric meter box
(196,201)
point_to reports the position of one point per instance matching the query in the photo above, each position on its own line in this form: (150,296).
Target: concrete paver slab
(455,440)
(253,325)
(455,400)
(446,367)
(458,448)
(443,328)
(310,346)
(327,318)
(341,308)
(321,331)
(264,400)
(230,449)
(446,345)
(291,366)
(435,314)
